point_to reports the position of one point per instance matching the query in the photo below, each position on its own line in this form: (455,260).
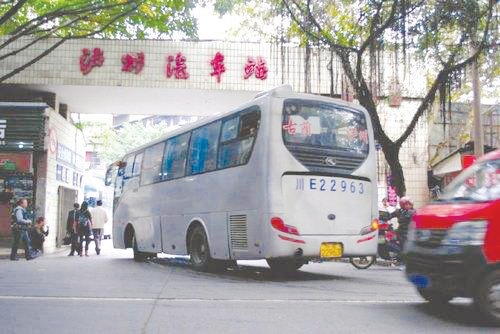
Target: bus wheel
(284,265)
(362,262)
(138,256)
(434,296)
(487,297)
(198,249)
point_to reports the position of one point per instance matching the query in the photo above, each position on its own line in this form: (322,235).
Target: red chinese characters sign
(89,60)
(176,66)
(133,62)
(218,66)
(257,67)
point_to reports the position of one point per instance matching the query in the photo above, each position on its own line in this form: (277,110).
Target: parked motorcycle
(388,247)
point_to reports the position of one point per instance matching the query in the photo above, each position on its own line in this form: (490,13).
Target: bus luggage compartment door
(326,205)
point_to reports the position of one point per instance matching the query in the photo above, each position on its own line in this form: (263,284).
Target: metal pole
(476,106)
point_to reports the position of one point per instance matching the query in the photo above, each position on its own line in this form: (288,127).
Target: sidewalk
(5,246)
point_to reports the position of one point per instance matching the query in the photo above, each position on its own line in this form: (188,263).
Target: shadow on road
(462,313)
(249,272)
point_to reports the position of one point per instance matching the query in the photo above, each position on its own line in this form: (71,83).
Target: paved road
(112,294)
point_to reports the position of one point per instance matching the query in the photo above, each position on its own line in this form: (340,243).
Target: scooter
(388,248)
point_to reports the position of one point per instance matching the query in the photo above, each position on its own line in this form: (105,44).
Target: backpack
(83,220)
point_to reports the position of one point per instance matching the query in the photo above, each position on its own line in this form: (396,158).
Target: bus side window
(129,167)
(174,163)
(249,125)
(203,149)
(229,147)
(151,164)
(138,164)
(238,136)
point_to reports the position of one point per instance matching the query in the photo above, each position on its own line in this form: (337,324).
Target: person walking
(72,229)
(99,219)
(84,228)
(38,234)
(20,231)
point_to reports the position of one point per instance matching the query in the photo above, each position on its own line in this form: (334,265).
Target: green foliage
(97,18)
(113,144)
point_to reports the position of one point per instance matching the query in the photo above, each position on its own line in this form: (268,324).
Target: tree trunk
(391,153)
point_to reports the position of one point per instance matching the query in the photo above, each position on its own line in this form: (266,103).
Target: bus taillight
(278,224)
(370,228)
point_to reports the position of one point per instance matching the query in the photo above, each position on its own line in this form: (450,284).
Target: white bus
(286,177)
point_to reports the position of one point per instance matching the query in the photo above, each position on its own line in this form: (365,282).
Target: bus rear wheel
(198,249)
(138,255)
(284,266)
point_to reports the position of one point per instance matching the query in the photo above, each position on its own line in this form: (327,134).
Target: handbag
(66,240)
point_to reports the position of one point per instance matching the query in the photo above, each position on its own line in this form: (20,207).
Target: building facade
(42,159)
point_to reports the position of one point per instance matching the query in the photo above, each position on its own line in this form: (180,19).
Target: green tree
(449,35)
(24,23)
(112,144)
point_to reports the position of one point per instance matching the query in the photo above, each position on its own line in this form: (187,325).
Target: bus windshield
(314,131)
(326,125)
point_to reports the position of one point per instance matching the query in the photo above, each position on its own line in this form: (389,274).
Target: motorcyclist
(403,214)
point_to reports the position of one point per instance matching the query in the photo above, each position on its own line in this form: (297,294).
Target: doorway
(67,197)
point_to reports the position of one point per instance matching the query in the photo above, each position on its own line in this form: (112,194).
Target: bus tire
(284,266)
(487,298)
(138,255)
(199,252)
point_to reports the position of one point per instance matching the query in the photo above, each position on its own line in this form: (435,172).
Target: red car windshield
(479,182)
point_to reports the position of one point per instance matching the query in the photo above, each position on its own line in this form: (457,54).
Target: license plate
(330,250)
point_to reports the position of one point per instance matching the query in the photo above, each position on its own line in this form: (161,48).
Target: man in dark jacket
(71,229)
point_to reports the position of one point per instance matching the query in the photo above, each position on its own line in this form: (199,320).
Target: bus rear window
(324,125)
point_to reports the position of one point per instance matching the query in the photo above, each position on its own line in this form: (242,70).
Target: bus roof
(279,91)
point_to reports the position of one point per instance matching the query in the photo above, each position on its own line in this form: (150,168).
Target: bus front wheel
(198,249)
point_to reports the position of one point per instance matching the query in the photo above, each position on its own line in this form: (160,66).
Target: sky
(210,26)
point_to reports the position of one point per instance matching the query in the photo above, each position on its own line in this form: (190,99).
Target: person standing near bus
(84,228)
(20,231)
(99,219)
(71,228)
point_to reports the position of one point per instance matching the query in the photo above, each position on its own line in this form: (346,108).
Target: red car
(453,247)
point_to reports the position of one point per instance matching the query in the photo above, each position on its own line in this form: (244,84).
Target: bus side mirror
(111,173)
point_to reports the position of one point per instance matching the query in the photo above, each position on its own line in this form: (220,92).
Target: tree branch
(12,11)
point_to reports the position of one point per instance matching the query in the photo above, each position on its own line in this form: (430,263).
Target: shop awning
(23,126)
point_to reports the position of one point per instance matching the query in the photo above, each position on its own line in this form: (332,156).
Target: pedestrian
(38,234)
(72,229)
(20,231)
(403,214)
(84,228)
(99,219)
